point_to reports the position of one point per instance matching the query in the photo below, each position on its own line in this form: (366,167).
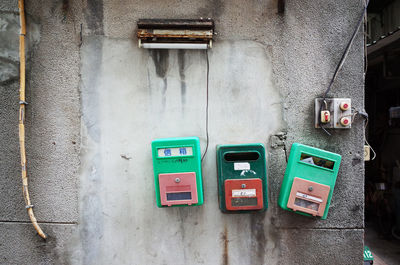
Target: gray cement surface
(19,244)
(321,246)
(167,93)
(385,249)
(52,135)
(9,6)
(95,96)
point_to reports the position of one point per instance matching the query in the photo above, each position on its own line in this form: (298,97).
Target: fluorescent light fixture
(193,46)
(175,33)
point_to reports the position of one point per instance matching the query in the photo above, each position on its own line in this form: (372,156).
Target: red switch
(345,121)
(344,106)
(325,116)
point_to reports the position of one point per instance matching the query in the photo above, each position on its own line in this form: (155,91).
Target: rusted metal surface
(174,33)
(175,24)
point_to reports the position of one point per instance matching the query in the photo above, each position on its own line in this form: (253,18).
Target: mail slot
(242,178)
(309,181)
(177,171)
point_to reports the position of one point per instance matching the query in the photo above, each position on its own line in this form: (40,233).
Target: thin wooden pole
(21,118)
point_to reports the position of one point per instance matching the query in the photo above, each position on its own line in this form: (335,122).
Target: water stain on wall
(225,241)
(161,64)
(183,214)
(60,9)
(213,8)
(259,241)
(94,15)
(91,204)
(191,230)
(181,63)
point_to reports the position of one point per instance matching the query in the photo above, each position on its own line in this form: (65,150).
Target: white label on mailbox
(244,193)
(175,151)
(306,196)
(241,166)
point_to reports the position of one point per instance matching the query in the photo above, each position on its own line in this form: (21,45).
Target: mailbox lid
(311,162)
(233,159)
(241,161)
(177,163)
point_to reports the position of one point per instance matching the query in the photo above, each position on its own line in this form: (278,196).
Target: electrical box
(242,177)
(333,113)
(309,180)
(367,153)
(177,171)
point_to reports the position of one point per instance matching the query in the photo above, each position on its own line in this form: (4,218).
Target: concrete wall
(97,102)
(52,133)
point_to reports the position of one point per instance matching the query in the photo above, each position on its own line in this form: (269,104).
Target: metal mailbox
(177,171)
(242,177)
(309,180)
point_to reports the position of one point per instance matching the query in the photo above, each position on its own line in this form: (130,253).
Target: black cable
(346,51)
(341,62)
(208,75)
(365,43)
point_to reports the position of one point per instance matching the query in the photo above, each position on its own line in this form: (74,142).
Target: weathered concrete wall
(52,131)
(165,96)
(265,70)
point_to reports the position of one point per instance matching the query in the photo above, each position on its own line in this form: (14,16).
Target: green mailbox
(177,171)
(242,177)
(309,180)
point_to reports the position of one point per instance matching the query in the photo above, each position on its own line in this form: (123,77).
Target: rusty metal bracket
(175,33)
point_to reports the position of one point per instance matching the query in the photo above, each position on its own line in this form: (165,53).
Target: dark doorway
(382,103)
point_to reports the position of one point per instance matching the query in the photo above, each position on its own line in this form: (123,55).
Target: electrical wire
(365,41)
(365,116)
(346,51)
(341,62)
(372,149)
(208,77)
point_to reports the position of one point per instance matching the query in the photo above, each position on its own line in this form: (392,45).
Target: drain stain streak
(258,235)
(181,63)
(225,253)
(161,63)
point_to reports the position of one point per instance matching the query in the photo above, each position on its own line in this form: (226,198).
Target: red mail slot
(178,188)
(243,194)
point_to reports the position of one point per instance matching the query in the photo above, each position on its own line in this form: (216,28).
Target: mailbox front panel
(242,178)
(308,197)
(178,188)
(177,171)
(309,167)
(243,194)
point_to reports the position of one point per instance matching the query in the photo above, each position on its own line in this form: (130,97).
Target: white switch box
(367,153)
(340,111)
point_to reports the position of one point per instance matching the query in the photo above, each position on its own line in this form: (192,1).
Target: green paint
(315,173)
(177,164)
(367,254)
(225,169)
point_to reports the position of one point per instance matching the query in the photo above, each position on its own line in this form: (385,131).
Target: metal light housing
(175,33)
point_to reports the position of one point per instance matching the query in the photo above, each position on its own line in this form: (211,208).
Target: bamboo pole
(21,118)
